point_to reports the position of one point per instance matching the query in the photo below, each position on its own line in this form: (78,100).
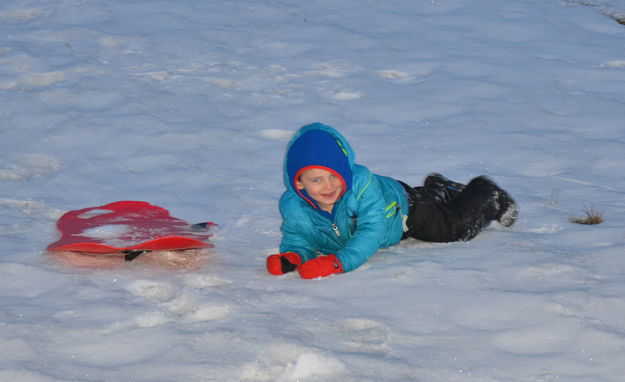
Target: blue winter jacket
(368,216)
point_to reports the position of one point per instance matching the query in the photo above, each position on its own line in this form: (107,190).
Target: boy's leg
(442,187)
(428,218)
(452,216)
(428,215)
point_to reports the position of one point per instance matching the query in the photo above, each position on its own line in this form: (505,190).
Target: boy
(337,214)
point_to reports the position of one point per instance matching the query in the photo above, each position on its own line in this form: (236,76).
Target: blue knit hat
(317,149)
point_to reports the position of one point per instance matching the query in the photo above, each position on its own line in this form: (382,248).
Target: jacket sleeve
(293,234)
(371,215)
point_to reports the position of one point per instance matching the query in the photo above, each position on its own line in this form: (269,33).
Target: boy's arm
(294,241)
(293,235)
(372,219)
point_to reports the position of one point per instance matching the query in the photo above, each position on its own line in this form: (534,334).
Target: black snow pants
(446,211)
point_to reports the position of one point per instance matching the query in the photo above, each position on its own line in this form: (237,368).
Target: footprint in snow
(174,304)
(199,281)
(345,95)
(393,74)
(29,166)
(365,336)
(276,134)
(152,290)
(288,362)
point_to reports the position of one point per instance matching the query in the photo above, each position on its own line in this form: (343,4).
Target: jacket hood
(318,146)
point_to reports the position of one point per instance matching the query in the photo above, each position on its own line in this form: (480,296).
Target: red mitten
(321,266)
(282,263)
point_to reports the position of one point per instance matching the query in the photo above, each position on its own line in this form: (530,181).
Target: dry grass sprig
(618,18)
(591,217)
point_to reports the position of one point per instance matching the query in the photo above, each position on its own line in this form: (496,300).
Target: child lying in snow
(337,214)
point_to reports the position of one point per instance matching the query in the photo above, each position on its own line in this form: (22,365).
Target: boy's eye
(315,180)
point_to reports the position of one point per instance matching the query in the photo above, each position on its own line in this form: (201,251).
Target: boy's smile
(322,185)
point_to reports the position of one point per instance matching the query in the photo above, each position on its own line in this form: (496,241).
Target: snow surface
(189,105)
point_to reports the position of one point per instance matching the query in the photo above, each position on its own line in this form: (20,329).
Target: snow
(189,105)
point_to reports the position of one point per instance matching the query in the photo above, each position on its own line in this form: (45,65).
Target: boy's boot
(504,208)
(509,210)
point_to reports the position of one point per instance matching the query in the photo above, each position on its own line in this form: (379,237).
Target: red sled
(128,227)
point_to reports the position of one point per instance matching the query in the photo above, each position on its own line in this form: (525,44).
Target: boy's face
(322,185)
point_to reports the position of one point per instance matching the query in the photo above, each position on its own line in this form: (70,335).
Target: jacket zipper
(336,230)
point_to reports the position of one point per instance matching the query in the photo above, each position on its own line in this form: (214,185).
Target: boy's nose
(331,182)
(325,186)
